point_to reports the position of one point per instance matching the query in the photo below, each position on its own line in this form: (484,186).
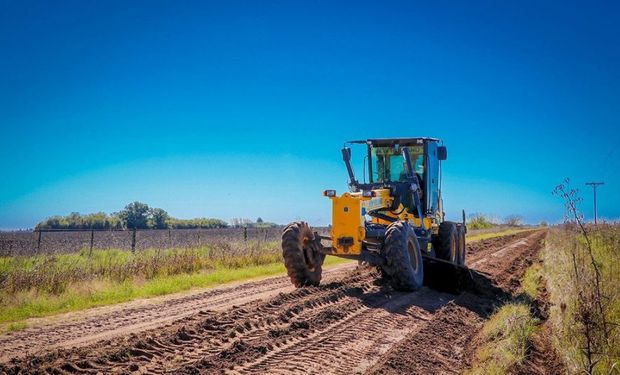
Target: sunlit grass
(571,295)
(532,282)
(95,293)
(501,233)
(504,340)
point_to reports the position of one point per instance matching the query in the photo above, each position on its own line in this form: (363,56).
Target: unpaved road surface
(352,323)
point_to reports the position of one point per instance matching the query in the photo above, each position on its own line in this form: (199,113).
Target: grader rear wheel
(462,246)
(447,242)
(302,257)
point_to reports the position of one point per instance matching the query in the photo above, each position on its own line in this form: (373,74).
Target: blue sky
(239,109)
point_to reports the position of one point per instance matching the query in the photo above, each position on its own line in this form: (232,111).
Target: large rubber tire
(301,254)
(403,257)
(462,246)
(447,242)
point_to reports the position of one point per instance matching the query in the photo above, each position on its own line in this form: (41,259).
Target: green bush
(479,221)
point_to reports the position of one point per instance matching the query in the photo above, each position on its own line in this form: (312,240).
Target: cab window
(388,163)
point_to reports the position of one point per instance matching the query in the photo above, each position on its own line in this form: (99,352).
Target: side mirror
(442,153)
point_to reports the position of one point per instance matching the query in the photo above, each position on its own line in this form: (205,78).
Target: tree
(200,222)
(135,215)
(74,220)
(513,220)
(259,220)
(159,218)
(238,222)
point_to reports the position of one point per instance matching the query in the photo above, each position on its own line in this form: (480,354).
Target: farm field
(352,323)
(71,241)
(56,242)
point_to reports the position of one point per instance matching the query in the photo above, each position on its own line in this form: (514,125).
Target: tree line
(135,215)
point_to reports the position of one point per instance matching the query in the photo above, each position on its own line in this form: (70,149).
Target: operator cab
(387,168)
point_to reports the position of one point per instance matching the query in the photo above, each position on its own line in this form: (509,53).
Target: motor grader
(394,221)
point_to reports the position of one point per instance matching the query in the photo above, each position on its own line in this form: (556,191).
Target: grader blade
(447,276)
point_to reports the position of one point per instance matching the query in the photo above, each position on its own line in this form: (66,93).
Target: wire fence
(50,241)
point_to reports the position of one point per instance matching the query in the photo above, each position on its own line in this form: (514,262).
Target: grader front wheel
(302,257)
(403,258)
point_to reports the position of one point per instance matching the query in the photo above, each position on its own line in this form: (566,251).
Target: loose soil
(353,323)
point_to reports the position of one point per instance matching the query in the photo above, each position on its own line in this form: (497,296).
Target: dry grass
(504,339)
(585,333)
(33,286)
(53,273)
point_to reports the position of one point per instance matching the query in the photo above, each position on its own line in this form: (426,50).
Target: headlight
(329,193)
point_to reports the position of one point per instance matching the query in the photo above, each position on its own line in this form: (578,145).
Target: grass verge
(504,339)
(585,332)
(506,232)
(533,281)
(95,293)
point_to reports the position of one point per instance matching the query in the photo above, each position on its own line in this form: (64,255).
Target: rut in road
(133,317)
(350,344)
(212,341)
(349,325)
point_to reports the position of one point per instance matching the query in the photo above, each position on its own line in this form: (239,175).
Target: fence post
(39,241)
(169,238)
(133,240)
(245,234)
(92,240)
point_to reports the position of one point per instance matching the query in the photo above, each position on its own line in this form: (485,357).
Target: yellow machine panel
(348,219)
(347,224)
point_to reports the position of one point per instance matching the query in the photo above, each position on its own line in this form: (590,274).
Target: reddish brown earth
(353,323)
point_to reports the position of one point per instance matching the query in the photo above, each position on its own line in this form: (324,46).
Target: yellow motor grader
(394,221)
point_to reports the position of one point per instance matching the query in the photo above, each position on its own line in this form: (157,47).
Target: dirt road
(352,323)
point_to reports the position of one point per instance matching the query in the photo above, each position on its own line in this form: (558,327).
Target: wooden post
(133,240)
(169,237)
(245,234)
(92,240)
(39,241)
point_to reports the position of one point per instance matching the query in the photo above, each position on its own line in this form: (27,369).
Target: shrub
(479,221)
(513,220)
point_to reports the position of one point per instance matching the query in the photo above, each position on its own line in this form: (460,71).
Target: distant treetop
(135,215)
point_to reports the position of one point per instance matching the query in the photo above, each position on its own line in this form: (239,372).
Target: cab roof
(393,141)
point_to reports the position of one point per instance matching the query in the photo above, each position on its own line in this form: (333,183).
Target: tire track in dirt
(214,342)
(78,329)
(348,344)
(445,345)
(351,324)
